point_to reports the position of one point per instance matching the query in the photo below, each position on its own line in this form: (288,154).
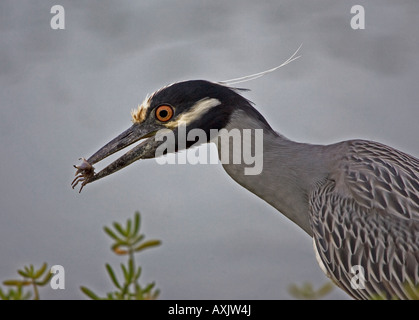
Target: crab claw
(85,171)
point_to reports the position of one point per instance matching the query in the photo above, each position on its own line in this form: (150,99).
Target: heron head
(193,104)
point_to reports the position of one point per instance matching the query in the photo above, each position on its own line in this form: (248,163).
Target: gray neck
(289,172)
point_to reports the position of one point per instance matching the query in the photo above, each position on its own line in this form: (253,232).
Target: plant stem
(35,291)
(131,256)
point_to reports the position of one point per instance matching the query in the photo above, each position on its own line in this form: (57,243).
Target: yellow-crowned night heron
(357,199)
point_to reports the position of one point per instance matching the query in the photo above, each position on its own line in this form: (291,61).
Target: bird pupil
(163,113)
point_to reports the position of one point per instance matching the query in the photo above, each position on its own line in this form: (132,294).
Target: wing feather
(381,177)
(374,224)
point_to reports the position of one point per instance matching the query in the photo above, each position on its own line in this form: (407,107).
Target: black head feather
(184,95)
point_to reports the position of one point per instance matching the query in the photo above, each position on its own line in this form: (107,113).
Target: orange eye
(164,113)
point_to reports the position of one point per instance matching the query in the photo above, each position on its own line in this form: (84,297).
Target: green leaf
(111,234)
(124,291)
(154,295)
(112,276)
(149,287)
(147,244)
(23,273)
(109,296)
(39,273)
(131,269)
(137,239)
(47,278)
(17,282)
(89,293)
(126,274)
(128,228)
(136,223)
(30,270)
(138,292)
(119,228)
(114,295)
(137,274)
(3,296)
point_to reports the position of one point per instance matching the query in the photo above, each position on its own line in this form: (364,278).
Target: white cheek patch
(197,111)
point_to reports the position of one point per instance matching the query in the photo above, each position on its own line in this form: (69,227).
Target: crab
(85,171)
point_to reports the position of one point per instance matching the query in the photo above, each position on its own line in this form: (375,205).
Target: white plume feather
(260,74)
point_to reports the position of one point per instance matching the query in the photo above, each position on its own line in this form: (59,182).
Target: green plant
(306,291)
(127,241)
(15,294)
(31,277)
